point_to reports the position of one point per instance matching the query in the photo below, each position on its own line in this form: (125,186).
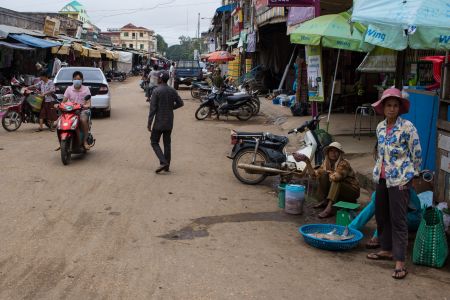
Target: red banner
(273,3)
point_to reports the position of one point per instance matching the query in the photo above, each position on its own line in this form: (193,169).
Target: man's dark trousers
(155,137)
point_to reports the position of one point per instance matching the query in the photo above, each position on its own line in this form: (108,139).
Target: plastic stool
(366,110)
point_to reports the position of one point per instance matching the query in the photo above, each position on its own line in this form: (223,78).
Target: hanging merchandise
(251,42)
(430,246)
(315,77)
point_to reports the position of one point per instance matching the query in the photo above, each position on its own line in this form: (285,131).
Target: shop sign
(237,21)
(292,2)
(315,74)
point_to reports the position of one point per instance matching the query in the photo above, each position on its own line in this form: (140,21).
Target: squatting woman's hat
(335,145)
(392,93)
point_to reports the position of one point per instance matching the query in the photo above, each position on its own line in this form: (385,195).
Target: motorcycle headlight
(74,123)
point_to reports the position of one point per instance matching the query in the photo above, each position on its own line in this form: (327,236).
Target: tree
(185,50)
(162,45)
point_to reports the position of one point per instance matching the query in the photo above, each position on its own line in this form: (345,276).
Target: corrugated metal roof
(5,30)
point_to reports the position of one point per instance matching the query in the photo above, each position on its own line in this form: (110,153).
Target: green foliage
(162,45)
(185,50)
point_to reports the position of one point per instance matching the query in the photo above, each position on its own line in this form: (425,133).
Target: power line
(161,6)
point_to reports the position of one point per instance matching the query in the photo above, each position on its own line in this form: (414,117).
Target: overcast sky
(169,18)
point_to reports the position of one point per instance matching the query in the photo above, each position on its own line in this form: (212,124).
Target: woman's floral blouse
(400,152)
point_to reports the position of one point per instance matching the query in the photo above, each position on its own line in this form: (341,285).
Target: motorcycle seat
(232,99)
(277,139)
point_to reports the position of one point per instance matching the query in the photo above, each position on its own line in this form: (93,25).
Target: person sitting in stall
(217,79)
(337,180)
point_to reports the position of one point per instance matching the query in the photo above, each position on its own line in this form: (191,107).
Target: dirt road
(107,227)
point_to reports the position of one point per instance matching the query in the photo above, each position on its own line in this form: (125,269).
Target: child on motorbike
(77,93)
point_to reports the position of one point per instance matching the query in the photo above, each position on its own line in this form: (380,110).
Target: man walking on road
(160,119)
(172,74)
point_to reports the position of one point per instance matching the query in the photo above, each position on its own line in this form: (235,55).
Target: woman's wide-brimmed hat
(335,145)
(392,93)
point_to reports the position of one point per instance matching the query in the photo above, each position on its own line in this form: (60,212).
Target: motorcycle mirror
(87,98)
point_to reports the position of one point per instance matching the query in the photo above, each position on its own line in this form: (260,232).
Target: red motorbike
(69,132)
(26,111)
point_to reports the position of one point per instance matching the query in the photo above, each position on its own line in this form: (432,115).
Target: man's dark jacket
(164,101)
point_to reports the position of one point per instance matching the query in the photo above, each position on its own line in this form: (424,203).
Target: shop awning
(271,16)
(226,8)
(62,50)
(95,53)
(233,41)
(77,47)
(109,54)
(85,51)
(18,46)
(34,41)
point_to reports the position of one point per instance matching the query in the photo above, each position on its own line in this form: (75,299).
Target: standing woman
(398,161)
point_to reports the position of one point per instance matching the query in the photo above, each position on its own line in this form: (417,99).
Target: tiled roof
(132,26)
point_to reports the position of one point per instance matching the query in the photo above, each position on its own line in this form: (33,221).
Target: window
(89,75)
(125,34)
(142,46)
(124,45)
(188,64)
(133,35)
(131,45)
(141,34)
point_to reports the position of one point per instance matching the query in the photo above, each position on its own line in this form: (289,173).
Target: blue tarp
(226,8)
(423,114)
(34,41)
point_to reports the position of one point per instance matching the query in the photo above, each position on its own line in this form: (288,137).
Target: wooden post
(400,69)
(299,61)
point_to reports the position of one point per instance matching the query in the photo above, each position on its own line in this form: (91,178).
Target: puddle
(199,227)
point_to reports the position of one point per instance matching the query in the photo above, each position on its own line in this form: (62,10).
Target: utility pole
(198,27)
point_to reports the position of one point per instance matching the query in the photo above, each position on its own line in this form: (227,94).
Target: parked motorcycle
(200,89)
(115,76)
(257,155)
(69,132)
(220,104)
(27,111)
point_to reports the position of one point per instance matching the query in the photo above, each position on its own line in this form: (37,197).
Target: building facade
(76,10)
(114,35)
(139,38)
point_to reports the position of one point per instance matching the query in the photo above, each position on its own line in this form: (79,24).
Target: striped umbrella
(220,56)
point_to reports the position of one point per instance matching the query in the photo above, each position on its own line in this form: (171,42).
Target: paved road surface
(107,227)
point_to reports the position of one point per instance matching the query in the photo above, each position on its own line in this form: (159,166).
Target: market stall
(125,61)
(331,31)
